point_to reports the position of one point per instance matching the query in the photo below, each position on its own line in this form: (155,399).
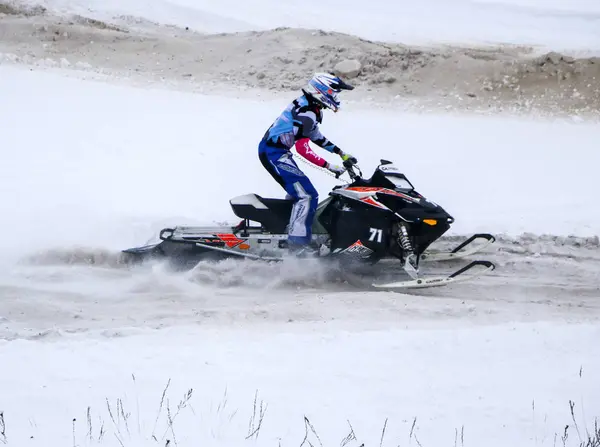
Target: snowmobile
(364,221)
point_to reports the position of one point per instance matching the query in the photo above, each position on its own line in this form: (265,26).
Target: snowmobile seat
(273,214)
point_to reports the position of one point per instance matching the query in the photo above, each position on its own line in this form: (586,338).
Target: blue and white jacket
(299,120)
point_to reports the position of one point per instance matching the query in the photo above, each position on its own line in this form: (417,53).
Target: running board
(237,253)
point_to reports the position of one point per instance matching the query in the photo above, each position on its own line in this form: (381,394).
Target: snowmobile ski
(438,281)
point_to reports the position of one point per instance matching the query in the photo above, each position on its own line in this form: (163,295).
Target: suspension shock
(404,240)
(411,262)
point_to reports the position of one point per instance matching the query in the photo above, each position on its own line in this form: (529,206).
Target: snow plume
(305,273)
(564,268)
(75,256)
(230,273)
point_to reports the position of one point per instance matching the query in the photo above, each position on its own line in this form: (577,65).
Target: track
(64,291)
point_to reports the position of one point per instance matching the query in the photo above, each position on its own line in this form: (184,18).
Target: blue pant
(280,164)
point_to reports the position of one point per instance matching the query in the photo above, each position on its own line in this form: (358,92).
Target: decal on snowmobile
(389,168)
(373,202)
(387,191)
(231,240)
(364,188)
(211,241)
(357,249)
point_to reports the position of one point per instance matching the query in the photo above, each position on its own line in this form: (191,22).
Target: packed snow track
(62,291)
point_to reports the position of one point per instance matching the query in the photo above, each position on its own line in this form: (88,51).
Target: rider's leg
(285,171)
(303,211)
(265,154)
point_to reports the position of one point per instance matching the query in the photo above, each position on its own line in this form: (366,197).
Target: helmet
(324,89)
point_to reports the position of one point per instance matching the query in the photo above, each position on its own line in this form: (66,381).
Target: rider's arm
(306,122)
(303,148)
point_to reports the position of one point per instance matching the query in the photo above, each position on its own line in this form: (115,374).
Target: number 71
(376,234)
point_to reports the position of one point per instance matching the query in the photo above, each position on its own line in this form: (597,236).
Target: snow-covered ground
(93,164)
(493,386)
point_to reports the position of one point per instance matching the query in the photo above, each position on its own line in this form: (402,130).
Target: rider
(296,125)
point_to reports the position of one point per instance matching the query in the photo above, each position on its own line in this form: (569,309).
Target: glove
(337,170)
(347,157)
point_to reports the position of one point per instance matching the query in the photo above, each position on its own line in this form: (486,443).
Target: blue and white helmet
(324,88)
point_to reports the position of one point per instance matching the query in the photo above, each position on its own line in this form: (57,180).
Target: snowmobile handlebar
(350,168)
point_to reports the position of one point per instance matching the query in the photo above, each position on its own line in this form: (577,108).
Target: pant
(282,167)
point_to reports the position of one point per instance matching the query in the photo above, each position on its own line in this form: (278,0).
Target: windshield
(399,182)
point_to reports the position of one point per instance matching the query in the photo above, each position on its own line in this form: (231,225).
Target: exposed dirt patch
(10,8)
(99,24)
(507,77)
